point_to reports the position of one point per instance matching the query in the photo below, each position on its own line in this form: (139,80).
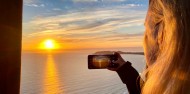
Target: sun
(49,44)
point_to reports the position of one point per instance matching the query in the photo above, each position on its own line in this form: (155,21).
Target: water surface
(67,73)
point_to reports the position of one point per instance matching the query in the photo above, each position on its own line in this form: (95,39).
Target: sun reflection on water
(51,80)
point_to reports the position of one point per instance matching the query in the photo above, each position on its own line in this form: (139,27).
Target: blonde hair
(170,72)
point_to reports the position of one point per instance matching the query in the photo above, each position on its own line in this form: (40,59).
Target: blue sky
(84,23)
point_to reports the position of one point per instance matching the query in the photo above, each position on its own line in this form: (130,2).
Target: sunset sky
(82,24)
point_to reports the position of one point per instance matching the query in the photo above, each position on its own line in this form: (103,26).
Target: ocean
(68,73)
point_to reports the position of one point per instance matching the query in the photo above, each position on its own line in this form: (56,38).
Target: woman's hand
(120,62)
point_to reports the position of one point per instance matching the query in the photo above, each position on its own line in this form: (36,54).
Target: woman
(167,50)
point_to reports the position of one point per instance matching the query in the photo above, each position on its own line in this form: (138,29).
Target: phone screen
(99,61)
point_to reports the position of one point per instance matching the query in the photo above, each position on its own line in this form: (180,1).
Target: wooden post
(10,45)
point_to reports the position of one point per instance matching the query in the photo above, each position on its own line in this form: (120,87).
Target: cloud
(76,1)
(113,0)
(35,5)
(88,18)
(118,24)
(29,2)
(134,5)
(56,9)
(98,1)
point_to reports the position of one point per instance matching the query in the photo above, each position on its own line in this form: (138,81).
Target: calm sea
(67,73)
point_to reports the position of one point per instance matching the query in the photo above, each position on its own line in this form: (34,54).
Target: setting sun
(49,44)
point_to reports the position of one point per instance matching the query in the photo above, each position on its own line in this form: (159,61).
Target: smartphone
(101,61)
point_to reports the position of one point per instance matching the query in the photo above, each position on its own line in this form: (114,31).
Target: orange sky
(35,44)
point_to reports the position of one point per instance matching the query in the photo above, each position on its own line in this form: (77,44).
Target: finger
(113,66)
(117,54)
(112,69)
(119,57)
